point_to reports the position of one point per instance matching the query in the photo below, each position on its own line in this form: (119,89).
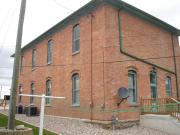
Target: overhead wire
(62,6)
(9,24)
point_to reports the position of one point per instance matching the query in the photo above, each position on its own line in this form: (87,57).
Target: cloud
(165,10)
(6,65)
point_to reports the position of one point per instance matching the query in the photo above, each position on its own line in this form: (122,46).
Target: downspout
(91,104)
(104,92)
(132,56)
(175,66)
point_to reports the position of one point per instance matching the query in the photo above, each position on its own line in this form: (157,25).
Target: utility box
(31,110)
(19,109)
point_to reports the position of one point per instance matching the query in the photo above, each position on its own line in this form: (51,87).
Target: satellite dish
(123,93)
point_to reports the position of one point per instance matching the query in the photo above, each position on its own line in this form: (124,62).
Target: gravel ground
(64,126)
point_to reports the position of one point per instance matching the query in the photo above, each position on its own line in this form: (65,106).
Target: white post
(43,97)
(42,115)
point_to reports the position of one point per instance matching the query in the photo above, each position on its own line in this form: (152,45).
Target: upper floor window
(33,58)
(20,92)
(75,90)
(48,92)
(21,64)
(76,39)
(32,93)
(168,87)
(153,84)
(132,86)
(49,52)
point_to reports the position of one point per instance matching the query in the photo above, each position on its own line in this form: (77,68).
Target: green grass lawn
(4,120)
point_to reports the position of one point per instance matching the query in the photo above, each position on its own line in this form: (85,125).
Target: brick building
(87,57)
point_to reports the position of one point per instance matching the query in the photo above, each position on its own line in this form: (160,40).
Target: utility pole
(0,91)
(14,85)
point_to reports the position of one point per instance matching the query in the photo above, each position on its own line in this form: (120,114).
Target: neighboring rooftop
(95,3)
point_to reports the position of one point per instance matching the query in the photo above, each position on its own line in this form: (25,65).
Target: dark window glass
(153,83)
(76,39)
(20,92)
(21,64)
(33,58)
(32,93)
(49,52)
(168,87)
(75,89)
(132,86)
(48,92)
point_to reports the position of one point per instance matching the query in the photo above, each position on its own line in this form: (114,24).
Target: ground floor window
(168,87)
(48,92)
(75,90)
(132,86)
(20,92)
(32,93)
(153,83)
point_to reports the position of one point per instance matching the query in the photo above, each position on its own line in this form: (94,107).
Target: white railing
(43,97)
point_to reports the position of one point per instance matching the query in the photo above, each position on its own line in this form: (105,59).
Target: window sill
(75,53)
(134,104)
(33,68)
(75,105)
(49,63)
(48,105)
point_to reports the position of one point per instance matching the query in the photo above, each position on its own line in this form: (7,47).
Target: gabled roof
(92,5)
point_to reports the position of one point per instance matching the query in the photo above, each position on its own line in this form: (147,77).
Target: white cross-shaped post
(42,108)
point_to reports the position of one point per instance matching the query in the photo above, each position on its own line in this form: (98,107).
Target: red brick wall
(140,38)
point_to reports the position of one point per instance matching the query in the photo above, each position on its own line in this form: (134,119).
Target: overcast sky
(43,14)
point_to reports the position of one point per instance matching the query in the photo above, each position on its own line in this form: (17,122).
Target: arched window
(48,92)
(132,86)
(153,84)
(20,92)
(168,86)
(49,52)
(76,39)
(75,90)
(21,64)
(33,58)
(32,93)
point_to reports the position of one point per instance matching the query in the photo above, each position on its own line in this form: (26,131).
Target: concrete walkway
(164,123)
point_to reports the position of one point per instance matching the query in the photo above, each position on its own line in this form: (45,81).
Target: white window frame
(49,51)
(20,92)
(32,92)
(168,86)
(133,74)
(33,58)
(153,84)
(48,91)
(75,90)
(76,39)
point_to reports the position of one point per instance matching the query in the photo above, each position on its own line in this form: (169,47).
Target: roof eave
(94,3)
(148,17)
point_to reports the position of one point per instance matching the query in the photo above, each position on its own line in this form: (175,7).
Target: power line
(57,3)
(9,24)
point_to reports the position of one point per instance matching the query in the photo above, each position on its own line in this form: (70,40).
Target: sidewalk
(67,126)
(164,123)
(2,108)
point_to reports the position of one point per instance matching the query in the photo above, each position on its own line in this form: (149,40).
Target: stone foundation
(121,124)
(27,131)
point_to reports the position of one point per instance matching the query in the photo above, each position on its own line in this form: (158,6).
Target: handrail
(175,100)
